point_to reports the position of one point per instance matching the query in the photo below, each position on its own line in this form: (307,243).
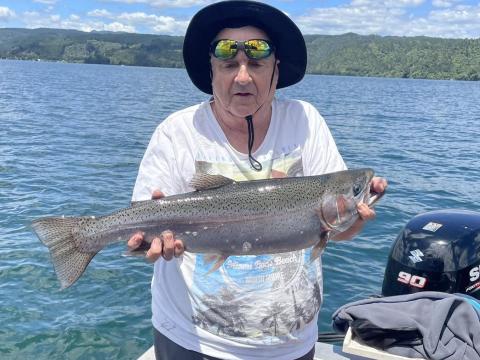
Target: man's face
(241,85)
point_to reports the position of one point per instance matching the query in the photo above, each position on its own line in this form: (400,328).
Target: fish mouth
(373,198)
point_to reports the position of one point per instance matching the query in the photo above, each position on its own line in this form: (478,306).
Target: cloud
(387,18)
(166,3)
(387,3)
(100,19)
(48,2)
(151,23)
(359,17)
(116,26)
(440,18)
(159,24)
(444,3)
(6,14)
(100,13)
(34,19)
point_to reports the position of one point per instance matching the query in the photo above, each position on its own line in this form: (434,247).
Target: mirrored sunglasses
(255,49)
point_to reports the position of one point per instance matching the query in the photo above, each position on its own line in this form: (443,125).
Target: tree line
(347,54)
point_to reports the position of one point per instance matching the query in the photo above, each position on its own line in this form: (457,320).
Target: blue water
(72,137)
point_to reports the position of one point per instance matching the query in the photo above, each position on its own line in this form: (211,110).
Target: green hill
(92,47)
(392,56)
(348,54)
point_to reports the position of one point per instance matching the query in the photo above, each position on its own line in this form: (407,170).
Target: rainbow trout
(221,217)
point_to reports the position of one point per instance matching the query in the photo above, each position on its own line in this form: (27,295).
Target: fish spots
(266,188)
(246,247)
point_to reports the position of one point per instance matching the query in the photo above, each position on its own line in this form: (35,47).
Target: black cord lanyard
(254,163)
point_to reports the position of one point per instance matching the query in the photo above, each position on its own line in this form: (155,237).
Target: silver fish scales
(222,217)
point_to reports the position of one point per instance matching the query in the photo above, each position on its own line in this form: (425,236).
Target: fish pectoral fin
(208,181)
(217,259)
(318,249)
(296,169)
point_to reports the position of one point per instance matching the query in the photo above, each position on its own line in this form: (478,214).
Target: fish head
(344,192)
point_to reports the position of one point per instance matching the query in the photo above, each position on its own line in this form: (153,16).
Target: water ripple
(72,137)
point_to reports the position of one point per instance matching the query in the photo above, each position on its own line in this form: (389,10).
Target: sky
(437,18)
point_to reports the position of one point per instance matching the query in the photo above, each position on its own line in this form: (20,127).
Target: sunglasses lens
(257,49)
(225,49)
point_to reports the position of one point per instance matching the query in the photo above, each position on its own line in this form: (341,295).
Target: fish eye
(357,189)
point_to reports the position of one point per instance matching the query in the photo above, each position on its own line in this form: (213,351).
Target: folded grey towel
(427,324)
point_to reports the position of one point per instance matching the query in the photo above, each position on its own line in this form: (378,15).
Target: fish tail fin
(56,234)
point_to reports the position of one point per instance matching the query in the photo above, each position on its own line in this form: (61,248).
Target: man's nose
(243,76)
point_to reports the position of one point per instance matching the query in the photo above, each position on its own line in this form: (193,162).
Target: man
(252,307)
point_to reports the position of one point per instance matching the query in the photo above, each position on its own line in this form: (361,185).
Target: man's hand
(378,186)
(165,245)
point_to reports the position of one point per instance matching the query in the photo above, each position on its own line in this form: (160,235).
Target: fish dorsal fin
(207,181)
(139,203)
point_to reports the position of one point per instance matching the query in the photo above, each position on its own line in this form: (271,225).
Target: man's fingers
(155,251)
(365,212)
(157,194)
(178,248)
(165,246)
(135,241)
(379,185)
(168,244)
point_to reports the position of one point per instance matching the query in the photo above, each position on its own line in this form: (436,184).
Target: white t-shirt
(253,307)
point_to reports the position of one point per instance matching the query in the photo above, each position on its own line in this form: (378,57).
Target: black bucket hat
(289,43)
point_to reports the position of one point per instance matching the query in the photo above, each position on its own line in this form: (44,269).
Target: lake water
(72,137)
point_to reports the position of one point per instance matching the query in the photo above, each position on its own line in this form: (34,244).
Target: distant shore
(347,54)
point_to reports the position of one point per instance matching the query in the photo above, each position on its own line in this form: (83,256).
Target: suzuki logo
(416,256)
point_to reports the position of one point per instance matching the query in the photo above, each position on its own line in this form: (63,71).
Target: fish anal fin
(208,181)
(317,250)
(209,258)
(218,262)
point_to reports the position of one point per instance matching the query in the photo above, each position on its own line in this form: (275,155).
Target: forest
(348,54)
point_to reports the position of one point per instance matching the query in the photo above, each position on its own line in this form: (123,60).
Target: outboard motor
(436,251)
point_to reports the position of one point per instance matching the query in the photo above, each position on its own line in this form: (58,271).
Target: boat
(322,352)
(352,349)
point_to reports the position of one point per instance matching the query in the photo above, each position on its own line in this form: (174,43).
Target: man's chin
(241,106)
